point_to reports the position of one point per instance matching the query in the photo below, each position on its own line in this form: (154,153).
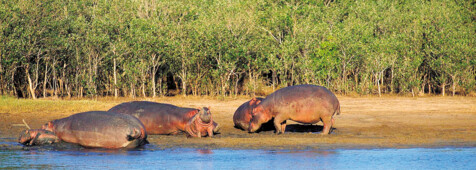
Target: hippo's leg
(279,124)
(216,127)
(332,125)
(328,121)
(283,127)
(199,133)
(34,139)
(210,131)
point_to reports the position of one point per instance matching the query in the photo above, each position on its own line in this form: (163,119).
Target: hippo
(306,104)
(100,129)
(167,119)
(201,124)
(33,137)
(242,116)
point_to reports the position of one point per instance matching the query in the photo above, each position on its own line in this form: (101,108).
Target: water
(155,158)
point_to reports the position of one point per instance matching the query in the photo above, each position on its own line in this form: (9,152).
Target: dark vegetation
(76,48)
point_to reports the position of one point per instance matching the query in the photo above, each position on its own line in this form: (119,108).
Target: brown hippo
(242,115)
(37,137)
(167,119)
(200,124)
(307,104)
(100,129)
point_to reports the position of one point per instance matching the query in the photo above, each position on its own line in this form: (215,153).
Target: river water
(151,157)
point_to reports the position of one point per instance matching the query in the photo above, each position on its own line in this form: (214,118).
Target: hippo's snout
(25,137)
(253,128)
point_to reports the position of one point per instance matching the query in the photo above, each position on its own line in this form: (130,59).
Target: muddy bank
(365,122)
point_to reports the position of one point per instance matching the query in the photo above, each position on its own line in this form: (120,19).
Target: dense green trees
(215,47)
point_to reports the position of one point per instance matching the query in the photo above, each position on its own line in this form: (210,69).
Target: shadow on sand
(295,128)
(301,128)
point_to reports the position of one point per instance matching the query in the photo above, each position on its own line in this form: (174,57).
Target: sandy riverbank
(365,122)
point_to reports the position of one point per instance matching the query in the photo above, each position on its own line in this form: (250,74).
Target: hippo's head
(26,137)
(255,101)
(205,114)
(260,115)
(37,137)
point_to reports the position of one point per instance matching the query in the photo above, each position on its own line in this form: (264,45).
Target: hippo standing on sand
(33,137)
(100,129)
(307,104)
(167,119)
(243,115)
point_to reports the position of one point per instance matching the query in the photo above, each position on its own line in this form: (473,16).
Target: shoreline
(365,123)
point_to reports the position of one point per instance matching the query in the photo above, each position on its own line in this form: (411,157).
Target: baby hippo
(33,137)
(201,124)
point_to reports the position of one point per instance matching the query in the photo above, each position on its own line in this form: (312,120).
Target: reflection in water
(205,151)
(305,153)
(152,157)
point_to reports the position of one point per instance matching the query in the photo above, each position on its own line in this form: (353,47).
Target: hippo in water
(307,104)
(167,119)
(99,129)
(33,137)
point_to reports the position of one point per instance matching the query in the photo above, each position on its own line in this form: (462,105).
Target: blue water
(154,158)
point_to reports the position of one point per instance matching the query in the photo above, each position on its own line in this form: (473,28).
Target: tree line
(78,48)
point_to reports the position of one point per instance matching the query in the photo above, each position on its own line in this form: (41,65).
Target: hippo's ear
(26,132)
(253,101)
(47,126)
(202,110)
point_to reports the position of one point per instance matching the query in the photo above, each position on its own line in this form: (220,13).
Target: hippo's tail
(337,112)
(139,138)
(137,134)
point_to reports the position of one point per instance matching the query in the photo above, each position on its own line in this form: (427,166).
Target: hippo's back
(101,118)
(101,129)
(304,103)
(141,108)
(302,92)
(158,118)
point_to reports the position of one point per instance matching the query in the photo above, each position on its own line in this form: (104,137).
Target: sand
(364,122)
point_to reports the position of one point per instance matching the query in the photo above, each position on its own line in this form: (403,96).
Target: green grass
(13,105)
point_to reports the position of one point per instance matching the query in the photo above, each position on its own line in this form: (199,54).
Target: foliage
(216,47)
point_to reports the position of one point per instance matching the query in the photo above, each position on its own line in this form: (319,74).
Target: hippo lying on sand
(307,104)
(99,129)
(167,119)
(33,137)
